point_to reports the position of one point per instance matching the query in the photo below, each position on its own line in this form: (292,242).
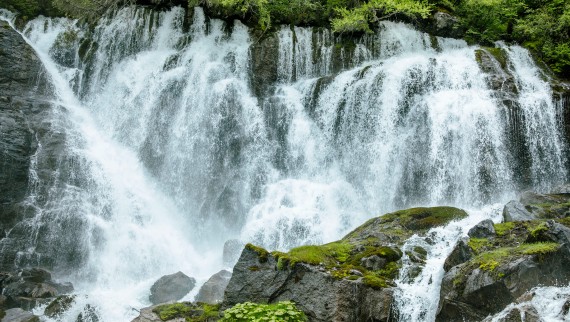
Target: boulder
(179,312)
(171,288)
(459,255)
(373,262)
(59,306)
(212,292)
(503,267)
(19,315)
(483,229)
(314,290)
(515,211)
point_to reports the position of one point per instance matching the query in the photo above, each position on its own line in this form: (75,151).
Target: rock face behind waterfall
(348,280)
(24,92)
(488,272)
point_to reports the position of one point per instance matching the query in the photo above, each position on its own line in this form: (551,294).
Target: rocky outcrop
(171,288)
(502,267)
(532,205)
(19,315)
(212,292)
(24,290)
(179,312)
(24,96)
(348,280)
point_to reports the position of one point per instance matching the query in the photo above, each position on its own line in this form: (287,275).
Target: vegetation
(543,26)
(252,312)
(199,312)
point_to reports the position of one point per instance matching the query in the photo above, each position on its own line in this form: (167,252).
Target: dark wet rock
(171,288)
(232,250)
(19,315)
(459,255)
(212,292)
(35,274)
(88,314)
(447,25)
(483,229)
(59,305)
(264,60)
(516,211)
(23,97)
(521,256)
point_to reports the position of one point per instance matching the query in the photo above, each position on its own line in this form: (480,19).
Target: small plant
(253,312)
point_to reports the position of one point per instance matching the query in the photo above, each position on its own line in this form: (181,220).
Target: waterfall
(160,149)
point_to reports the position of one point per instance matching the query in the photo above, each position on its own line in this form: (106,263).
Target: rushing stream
(168,152)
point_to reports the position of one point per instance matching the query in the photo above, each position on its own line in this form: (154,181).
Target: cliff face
(24,95)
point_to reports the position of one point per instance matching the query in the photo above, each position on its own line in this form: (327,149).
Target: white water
(418,297)
(547,301)
(168,153)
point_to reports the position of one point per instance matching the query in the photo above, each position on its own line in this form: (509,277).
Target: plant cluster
(254,312)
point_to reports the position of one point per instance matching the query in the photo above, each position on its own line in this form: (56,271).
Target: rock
(550,231)
(483,229)
(503,268)
(321,296)
(184,311)
(447,25)
(212,292)
(59,305)
(25,96)
(530,197)
(89,314)
(232,250)
(373,262)
(19,315)
(515,211)
(43,290)
(264,61)
(171,288)
(459,255)
(35,274)
(147,315)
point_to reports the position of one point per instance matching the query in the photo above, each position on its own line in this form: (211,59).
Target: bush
(253,312)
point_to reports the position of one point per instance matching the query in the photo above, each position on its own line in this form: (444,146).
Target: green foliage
(424,218)
(359,18)
(199,312)
(478,244)
(253,312)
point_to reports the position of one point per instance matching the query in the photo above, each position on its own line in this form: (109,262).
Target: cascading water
(166,149)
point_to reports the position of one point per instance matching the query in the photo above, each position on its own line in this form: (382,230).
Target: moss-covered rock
(502,267)
(350,279)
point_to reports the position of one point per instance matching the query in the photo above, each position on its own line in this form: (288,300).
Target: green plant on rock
(360,18)
(254,312)
(199,312)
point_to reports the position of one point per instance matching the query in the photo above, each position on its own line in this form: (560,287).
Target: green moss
(328,254)
(478,244)
(538,248)
(538,230)
(261,252)
(424,218)
(374,281)
(490,260)
(253,268)
(199,312)
(504,228)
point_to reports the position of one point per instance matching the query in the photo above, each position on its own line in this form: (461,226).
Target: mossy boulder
(500,268)
(555,205)
(184,311)
(350,280)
